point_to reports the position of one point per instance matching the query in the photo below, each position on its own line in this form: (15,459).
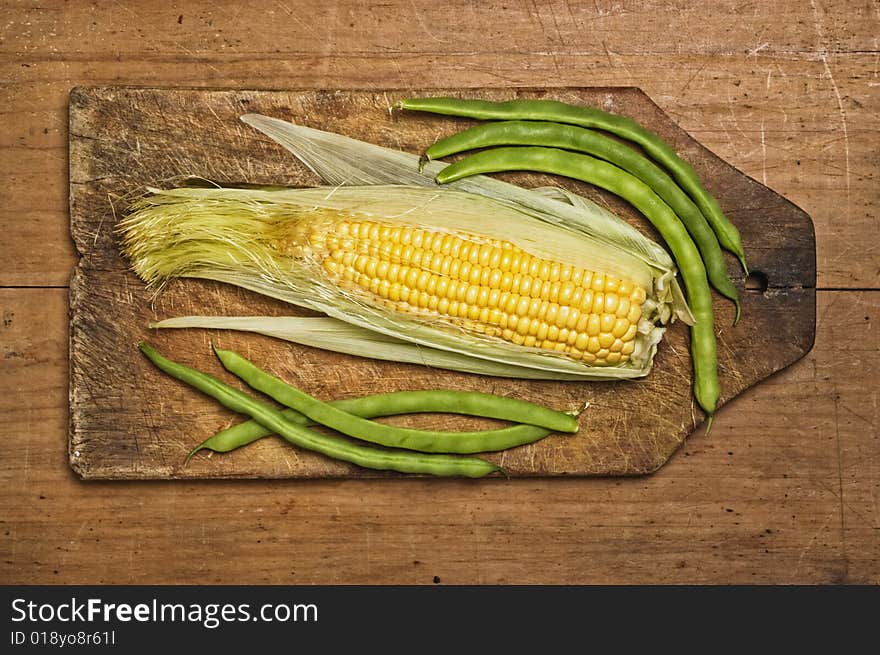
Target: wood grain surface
(122,139)
(785,488)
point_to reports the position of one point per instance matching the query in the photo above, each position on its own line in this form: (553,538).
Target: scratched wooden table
(783,490)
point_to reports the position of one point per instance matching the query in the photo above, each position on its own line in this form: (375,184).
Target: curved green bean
(468,403)
(429,441)
(609,177)
(367,457)
(561,112)
(572,137)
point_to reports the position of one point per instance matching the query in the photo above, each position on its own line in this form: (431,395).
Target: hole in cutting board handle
(756,282)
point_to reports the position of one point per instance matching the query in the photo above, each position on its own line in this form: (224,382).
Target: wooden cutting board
(128,420)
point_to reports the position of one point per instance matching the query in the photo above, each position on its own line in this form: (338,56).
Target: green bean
(469,403)
(561,112)
(272,419)
(392,436)
(571,137)
(609,177)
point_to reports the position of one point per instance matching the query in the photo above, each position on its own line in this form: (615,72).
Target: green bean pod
(561,112)
(611,178)
(429,441)
(571,137)
(272,419)
(395,403)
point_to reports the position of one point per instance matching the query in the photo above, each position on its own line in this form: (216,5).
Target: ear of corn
(480,278)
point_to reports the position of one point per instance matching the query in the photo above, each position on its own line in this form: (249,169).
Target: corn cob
(486,286)
(440,268)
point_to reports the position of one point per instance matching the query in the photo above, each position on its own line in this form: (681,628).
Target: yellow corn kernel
(610,302)
(418,238)
(638,296)
(562,315)
(485,274)
(606,323)
(494,259)
(635,313)
(565,292)
(587,301)
(451,289)
(509,305)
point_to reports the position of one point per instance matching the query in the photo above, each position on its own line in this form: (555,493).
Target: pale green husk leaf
(338,336)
